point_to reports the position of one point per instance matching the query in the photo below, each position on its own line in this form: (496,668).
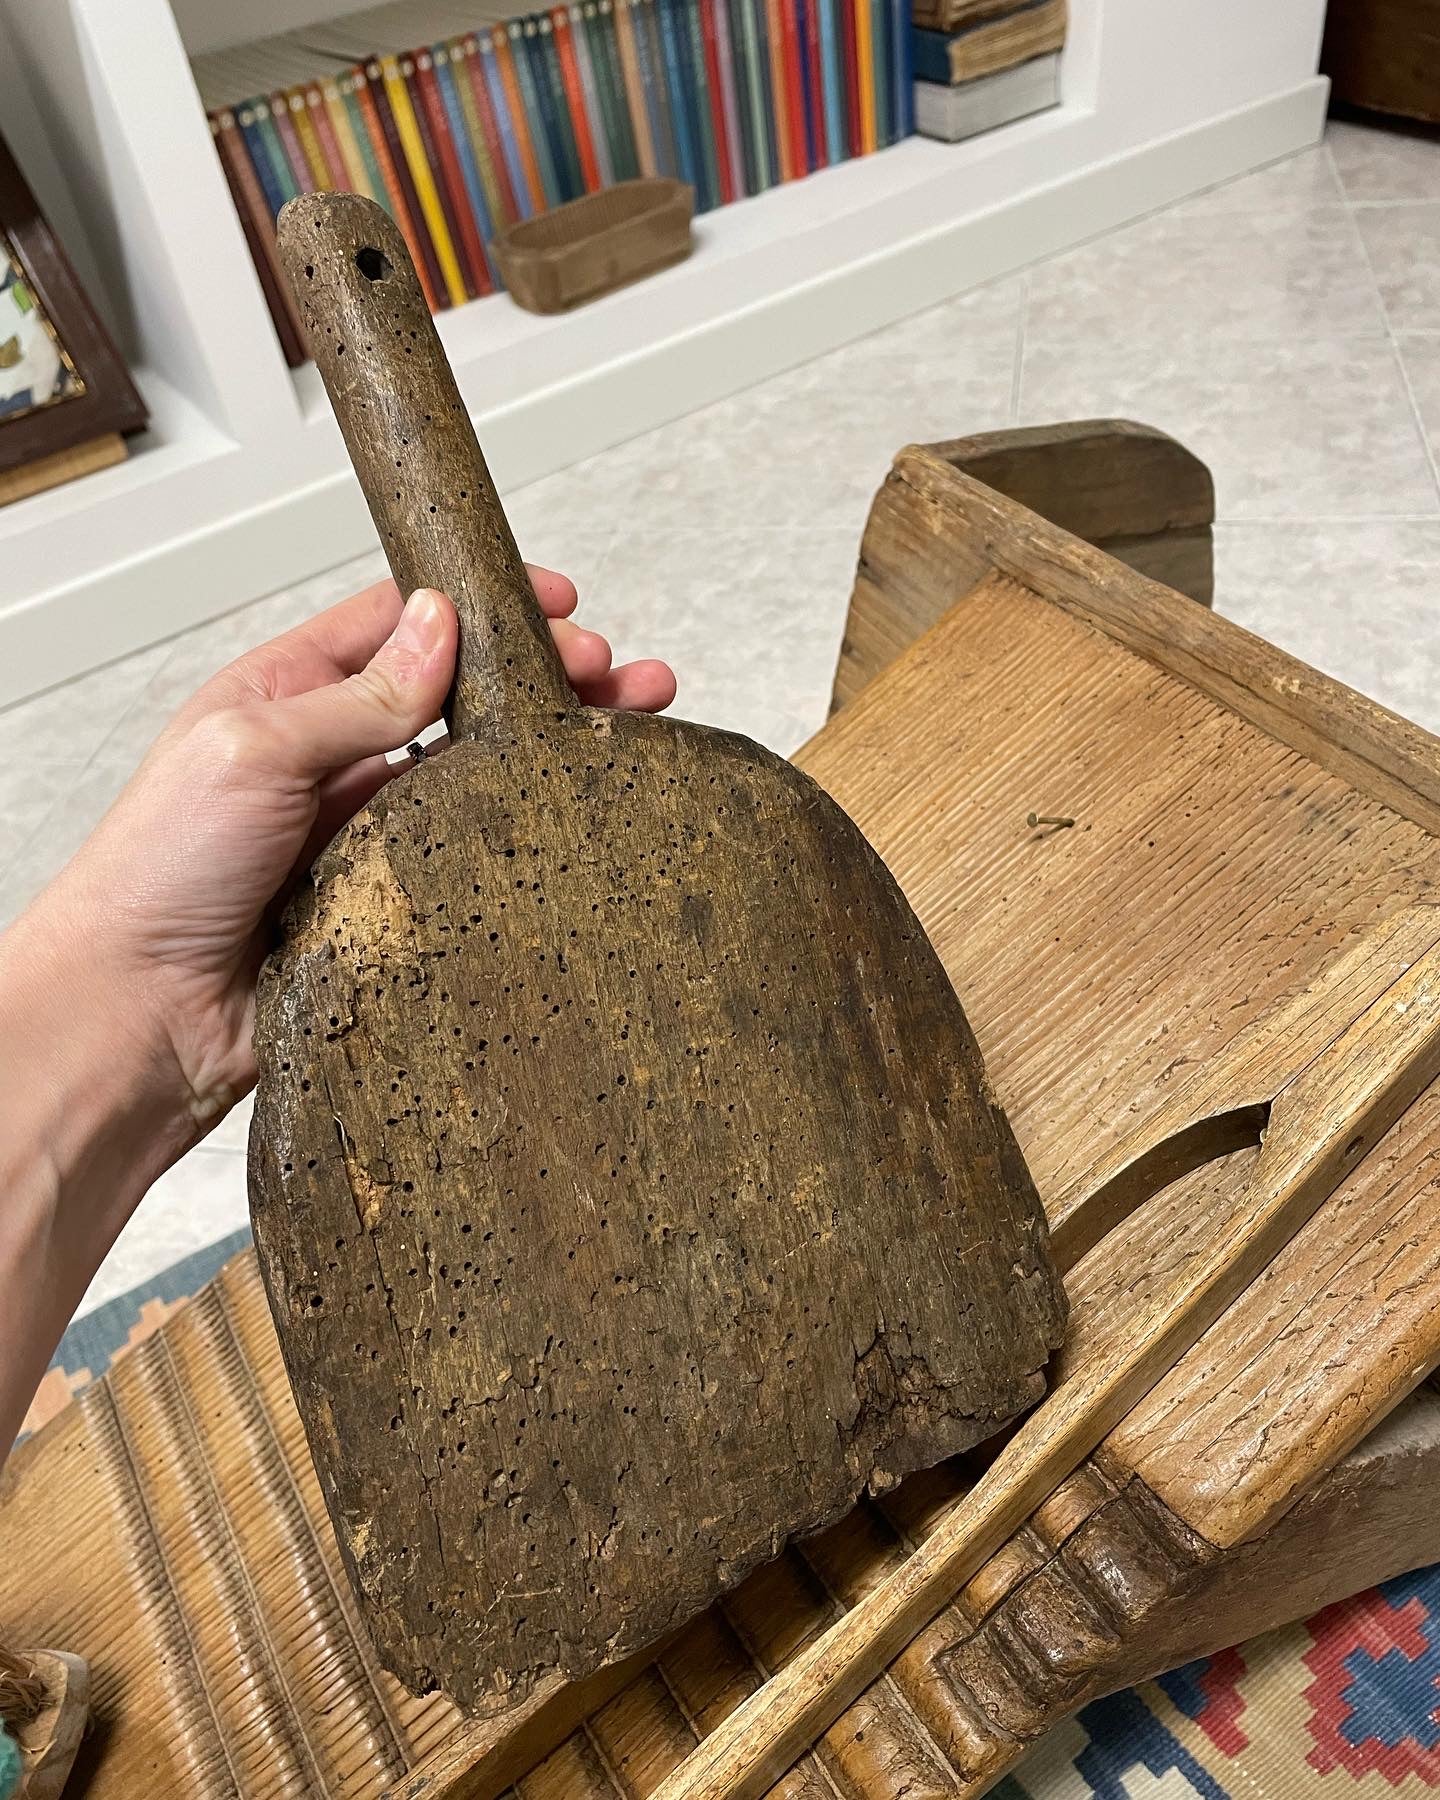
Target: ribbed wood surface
(169,1526)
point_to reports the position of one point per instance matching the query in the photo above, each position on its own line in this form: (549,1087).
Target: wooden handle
(1320,1125)
(416,454)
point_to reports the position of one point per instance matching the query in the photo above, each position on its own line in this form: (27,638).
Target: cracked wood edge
(1319,1127)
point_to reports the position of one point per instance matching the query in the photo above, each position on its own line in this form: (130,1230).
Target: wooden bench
(1238,819)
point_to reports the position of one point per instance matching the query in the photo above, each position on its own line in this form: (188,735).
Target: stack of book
(484,121)
(983,63)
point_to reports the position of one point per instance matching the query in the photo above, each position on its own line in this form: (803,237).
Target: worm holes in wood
(373,264)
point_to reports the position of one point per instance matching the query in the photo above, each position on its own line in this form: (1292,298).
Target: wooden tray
(591,246)
(1239,818)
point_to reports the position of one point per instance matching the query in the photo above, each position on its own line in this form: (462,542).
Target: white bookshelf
(241,484)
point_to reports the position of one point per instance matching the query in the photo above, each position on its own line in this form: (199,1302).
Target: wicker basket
(596,244)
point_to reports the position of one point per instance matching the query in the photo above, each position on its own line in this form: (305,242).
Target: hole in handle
(373,264)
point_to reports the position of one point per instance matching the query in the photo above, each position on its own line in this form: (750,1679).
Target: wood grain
(1320,1125)
(1099,479)
(623,1173)
(1125,488)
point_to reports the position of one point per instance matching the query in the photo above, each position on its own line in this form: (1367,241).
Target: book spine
(301,173)
(598,40)
(357,177)
(350,84)
(865,65)
(626,46)
(729,101)
(895,18)
(814,84)
(469,76)
(501,80)
(404,202)
(657,87)
(440,147)
(692,52)
(430,184)
(324,129)
(674,87)
(320,181)
(790,26)
(880,43)
(783,134)
(451,284)
(572,88)
(275,186)
(930,55)
(481,221)
(833,80)
(850,54)
(762,92)
(595,114)
(752,165)
(550,85)
(533,112)
(252,210)
(725,190)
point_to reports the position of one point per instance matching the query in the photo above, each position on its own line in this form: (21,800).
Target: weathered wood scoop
(624,1176)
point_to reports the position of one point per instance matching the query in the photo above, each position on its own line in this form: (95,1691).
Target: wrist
(88,1082)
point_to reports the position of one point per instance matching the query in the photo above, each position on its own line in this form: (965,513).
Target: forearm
(88,1118)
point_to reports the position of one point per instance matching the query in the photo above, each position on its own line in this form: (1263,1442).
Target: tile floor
(1285,326)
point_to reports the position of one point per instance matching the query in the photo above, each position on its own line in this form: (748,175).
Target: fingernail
(418,627)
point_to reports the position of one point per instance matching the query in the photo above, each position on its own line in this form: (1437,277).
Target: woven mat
(1345,1704)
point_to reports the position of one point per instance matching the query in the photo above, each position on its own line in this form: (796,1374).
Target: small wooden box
(593,245)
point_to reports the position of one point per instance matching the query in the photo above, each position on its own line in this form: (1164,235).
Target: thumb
(397,694)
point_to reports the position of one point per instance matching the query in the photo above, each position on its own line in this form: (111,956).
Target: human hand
(241,791)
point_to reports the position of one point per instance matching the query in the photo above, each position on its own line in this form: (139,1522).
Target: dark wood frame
(111,402)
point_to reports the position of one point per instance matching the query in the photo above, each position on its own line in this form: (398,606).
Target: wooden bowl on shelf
(591,246)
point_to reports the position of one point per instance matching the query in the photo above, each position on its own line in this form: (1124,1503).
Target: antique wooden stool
(1237,820)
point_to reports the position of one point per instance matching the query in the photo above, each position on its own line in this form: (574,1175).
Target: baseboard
(198,574)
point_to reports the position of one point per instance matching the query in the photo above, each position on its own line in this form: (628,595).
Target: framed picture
(63,385)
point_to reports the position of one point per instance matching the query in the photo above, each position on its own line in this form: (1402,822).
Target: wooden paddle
(1345,1095)
(623,1174)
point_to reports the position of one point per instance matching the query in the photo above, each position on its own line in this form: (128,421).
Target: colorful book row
(464,137)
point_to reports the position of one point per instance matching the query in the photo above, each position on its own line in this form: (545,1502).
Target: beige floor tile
(1403,244)
(1380,163)
(751,621)
(1291,431)
(1358,601)
(807,449)
(71,817)
(68,723)
(1294,184)
(1420,355)
(1208,277)
(970,335)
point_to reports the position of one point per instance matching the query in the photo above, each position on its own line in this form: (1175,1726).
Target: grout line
(1019,363)
(1271,520)
(1427,449)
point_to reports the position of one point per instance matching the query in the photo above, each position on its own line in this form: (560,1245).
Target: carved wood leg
(1128,489)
